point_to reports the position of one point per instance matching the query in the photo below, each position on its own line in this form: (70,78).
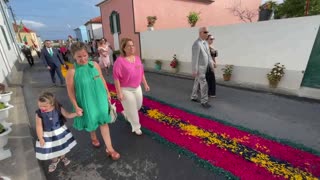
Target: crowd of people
(89,94)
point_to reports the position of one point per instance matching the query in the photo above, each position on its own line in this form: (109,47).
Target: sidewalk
(22,165)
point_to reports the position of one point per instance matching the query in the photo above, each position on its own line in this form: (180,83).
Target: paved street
(144,158)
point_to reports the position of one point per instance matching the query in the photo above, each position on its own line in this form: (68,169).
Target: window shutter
(118,23)
(111,23)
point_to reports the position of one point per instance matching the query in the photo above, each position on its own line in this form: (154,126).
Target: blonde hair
(78,46)
(123,44)
(48,97)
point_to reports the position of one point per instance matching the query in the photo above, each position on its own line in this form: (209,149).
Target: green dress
(91,96)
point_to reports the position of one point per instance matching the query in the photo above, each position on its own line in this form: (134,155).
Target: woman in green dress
(88,92)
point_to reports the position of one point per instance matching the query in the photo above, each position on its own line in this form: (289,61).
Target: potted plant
(4,131)
(275,75)
(5,96)
(151,22)
(4,113)
(174,64)
(227,72)
(158,65)
(193,18)
(266,9)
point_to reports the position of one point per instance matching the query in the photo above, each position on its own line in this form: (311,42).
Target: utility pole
(15,22)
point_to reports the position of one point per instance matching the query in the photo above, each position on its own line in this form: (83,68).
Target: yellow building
(31,36)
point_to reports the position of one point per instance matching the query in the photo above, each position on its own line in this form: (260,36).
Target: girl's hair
(78,46)
(48,97)
(123,43)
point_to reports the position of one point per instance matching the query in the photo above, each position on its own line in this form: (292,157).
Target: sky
(54,19)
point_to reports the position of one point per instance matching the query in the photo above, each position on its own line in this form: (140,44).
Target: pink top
(129,74)
(63,50)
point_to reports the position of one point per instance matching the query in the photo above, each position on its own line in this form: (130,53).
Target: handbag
(113,112)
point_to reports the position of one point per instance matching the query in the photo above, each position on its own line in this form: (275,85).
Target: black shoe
(195,100)
(205,105)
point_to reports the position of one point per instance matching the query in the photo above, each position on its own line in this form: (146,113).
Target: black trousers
(211,80)
(30,60)
(54,69)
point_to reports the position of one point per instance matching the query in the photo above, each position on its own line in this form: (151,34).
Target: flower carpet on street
(236,152)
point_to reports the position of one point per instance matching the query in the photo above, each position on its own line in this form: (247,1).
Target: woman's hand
(120,96)
(79,111)
(146,87)
(42,142)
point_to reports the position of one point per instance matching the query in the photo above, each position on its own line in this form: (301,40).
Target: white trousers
(132,103)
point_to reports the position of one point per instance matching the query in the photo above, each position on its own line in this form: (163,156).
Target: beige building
(31,36)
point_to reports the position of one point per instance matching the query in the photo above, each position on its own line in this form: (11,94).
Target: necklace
(131,59)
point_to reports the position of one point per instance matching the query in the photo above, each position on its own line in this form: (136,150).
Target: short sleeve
(38,112)
(117,69)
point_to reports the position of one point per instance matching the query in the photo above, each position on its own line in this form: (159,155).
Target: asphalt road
(144,158)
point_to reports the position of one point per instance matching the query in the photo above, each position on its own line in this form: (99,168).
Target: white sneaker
(138,132)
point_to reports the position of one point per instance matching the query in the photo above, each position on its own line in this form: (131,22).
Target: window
(5,37)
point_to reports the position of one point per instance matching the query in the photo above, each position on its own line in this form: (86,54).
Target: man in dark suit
(53,60)
(27,53)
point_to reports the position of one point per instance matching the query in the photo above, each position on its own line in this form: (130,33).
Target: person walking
(128,74)
(27,53)
(53,61)
(201,59)
(210,76)
(89,94)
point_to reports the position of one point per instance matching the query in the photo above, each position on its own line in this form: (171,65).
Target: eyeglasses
(206,32)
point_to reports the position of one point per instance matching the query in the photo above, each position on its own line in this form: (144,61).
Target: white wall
(253,48)
(8,54)
(97,31)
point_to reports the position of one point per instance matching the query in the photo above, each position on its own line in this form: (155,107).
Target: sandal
(114,155)
(65,161)
(53,166)
(95,143)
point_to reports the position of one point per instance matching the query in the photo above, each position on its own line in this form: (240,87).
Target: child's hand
(42,142)
(79,111)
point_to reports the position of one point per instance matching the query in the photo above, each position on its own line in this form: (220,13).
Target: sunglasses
(211,39)
(206,32)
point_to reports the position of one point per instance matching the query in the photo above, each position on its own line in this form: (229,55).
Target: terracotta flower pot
(226,77)
(273,84)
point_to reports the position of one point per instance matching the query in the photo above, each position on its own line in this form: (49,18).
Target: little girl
(54,138)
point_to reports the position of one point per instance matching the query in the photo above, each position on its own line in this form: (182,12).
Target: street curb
(241,86)
(15,80)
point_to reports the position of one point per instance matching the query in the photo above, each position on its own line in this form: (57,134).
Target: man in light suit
(53,60)
(201,59)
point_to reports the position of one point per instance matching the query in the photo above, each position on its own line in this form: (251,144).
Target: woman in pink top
(128,74)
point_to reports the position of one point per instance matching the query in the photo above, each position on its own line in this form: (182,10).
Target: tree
(244,14)
(297,8)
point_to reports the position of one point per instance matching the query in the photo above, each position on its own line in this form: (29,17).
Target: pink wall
(173,13)
(125,10)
